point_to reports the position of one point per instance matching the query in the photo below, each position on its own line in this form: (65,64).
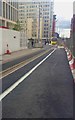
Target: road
(47,92)
(26,57)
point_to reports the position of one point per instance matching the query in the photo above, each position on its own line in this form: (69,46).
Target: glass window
(14,15)
(4,9)
(0,22)
(0,7)
(45,24)
(11,13)
(3,23)
(7,11)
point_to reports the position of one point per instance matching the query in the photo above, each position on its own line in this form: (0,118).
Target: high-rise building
(8,13)
(72,35)
(74,28)
(36,19)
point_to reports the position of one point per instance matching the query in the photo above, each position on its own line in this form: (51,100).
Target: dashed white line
(6,92)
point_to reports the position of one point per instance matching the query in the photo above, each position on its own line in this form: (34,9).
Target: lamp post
(39,23)
(25,31)
(54,24)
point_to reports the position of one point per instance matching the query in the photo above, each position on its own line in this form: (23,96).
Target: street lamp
(40,15)
(54,22)
(25,31)
(39,23)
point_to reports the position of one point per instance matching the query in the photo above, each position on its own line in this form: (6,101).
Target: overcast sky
(63,9)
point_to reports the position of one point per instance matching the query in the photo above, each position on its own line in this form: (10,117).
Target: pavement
(24,52)
(17,54)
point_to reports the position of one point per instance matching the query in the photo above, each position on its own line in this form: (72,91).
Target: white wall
(8,38)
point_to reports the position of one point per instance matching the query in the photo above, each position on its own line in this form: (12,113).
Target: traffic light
(54,17)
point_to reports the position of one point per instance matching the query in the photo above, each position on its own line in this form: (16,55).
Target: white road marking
(6,92)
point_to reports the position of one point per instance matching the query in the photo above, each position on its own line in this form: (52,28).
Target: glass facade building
(8,13)
(0,7)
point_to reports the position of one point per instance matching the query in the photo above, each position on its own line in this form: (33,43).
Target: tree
(17,26)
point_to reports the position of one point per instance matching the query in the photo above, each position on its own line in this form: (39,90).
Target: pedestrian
(32,43)
(45,42)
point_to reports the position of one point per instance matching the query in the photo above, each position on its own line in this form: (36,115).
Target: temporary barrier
(71,61)
(72,66)
(69,55)
(8,51)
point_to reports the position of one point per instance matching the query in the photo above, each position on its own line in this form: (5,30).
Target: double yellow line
(20,65)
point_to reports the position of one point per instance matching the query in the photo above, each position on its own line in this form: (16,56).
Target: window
(0,7)
(11,13)
(45,28)
(21,21)
(7,11)
(45,24)
(3,23)
(4,9)
(46,21)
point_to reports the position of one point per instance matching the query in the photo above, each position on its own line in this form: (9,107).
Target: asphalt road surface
(23,58)
(12,78)
(46,93)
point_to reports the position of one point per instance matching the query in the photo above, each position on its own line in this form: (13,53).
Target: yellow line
(12,87)
(23,63)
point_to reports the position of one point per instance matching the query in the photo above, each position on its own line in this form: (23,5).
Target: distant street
(46,93)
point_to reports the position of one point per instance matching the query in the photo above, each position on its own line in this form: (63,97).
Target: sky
(63,9)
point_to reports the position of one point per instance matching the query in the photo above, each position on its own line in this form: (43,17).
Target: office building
(36,19)
(74,28)
(8,13)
